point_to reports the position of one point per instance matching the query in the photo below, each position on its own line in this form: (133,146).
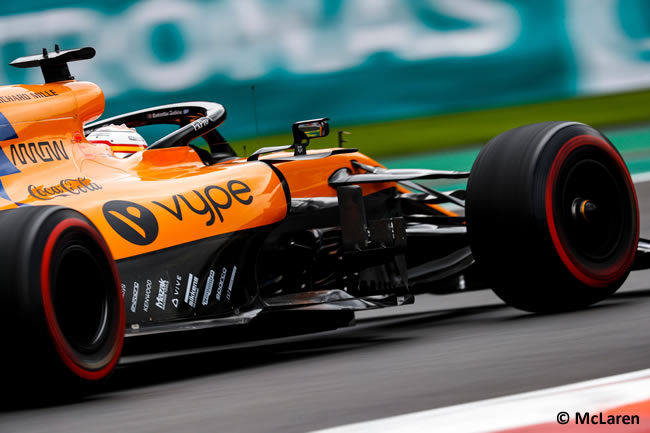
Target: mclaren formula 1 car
(186,235)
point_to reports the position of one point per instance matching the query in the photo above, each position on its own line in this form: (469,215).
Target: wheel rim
(594,236)
(596,245)
(80,294)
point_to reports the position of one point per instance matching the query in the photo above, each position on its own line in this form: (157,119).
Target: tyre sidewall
(40,348)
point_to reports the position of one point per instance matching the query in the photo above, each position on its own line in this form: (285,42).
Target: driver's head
(124,141)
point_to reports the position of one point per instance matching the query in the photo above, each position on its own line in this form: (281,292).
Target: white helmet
(124,141)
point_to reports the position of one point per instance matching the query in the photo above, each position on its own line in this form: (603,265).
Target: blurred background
(402,75)
(418,83)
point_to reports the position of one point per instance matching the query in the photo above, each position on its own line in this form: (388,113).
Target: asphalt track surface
(439,352)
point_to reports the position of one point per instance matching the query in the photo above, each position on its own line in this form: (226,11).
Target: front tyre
(60,296)
(552,216)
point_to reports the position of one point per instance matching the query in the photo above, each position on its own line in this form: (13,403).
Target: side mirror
(304,130)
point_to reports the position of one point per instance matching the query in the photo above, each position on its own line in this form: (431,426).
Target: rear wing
(54,66)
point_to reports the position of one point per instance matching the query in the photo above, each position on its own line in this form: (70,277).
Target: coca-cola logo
(66,187)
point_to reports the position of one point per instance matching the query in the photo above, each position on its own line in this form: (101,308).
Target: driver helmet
(123,141)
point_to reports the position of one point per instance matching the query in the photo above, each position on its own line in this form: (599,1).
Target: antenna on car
(341,139)
(257,134)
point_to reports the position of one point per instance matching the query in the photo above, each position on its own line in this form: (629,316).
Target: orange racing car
(186,235)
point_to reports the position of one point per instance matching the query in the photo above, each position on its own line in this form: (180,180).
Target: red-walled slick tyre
(552,216)
(61,300)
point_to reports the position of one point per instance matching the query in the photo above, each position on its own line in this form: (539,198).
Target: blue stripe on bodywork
(7,131)
(6,167)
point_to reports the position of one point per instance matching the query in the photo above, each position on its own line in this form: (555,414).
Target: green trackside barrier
(394,65)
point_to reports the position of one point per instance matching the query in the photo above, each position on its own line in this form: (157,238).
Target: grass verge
(446,131)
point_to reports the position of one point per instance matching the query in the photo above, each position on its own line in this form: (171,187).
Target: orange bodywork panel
(155,199)
(308,178)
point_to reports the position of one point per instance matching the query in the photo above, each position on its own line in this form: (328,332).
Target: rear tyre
(552,216)
(60,297)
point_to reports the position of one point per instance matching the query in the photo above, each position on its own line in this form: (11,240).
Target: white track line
(517,410)
(641,177)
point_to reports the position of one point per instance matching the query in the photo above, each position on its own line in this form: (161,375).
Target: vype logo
(132,221)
